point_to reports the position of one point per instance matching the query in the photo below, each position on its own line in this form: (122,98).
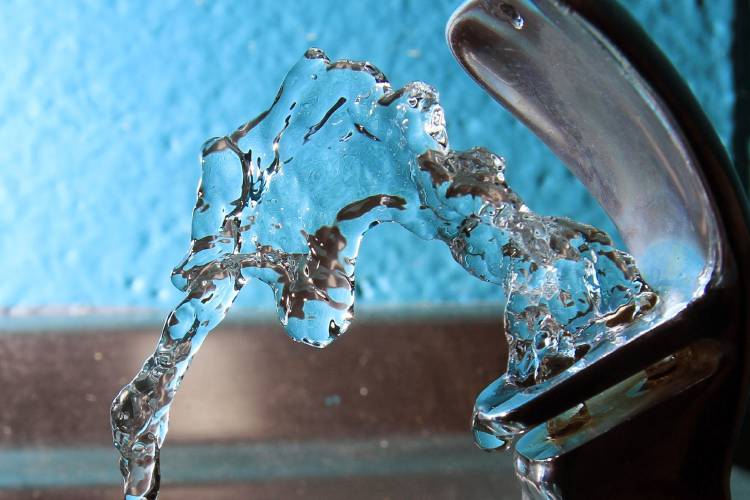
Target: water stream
(287,198)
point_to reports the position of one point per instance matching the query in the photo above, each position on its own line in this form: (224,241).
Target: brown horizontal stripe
(253,383)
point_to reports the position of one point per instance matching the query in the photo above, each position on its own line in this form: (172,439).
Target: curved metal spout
(668,394)
(581,96)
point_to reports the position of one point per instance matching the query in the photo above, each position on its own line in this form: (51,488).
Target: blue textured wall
(105,105)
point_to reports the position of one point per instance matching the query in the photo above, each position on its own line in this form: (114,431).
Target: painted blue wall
(104,106)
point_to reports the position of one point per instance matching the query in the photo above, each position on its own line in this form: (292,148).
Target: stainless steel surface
(417,398)
(361,419)
(578,93)
(669,390)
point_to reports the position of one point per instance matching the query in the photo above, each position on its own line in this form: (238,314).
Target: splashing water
(287,198)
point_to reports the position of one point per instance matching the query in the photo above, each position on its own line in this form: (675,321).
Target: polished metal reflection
(576,92)
(590,84)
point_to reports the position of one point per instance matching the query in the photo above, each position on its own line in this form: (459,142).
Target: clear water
(287,198)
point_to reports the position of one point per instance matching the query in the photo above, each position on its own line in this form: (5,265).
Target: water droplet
(507,11)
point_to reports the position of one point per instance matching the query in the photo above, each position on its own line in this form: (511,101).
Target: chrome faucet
(653,414)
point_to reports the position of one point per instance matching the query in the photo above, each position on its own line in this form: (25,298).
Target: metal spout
(663,402)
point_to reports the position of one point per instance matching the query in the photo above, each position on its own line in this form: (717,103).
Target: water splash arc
(287,198)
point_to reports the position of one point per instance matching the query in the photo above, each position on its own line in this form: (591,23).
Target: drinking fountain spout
(655,412)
